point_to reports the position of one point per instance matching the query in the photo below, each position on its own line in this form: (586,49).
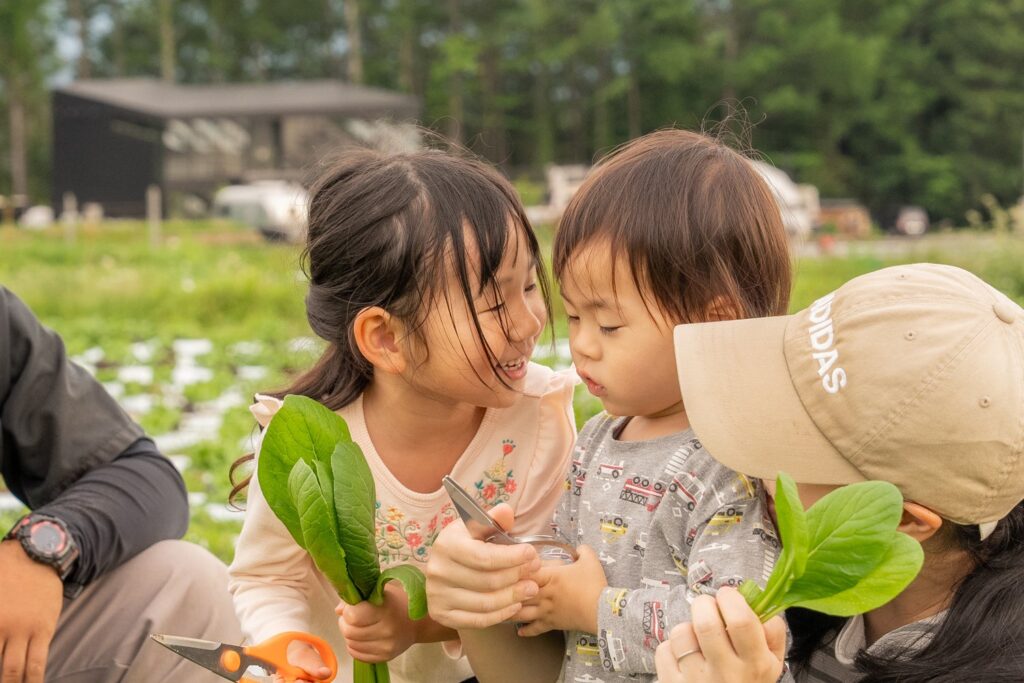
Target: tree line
(891,103)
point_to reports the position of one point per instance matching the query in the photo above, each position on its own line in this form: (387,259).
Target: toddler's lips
(596,389)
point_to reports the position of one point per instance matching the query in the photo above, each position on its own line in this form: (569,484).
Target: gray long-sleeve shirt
(67,449)
(668,522)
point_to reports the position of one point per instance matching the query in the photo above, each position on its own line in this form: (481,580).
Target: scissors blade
(205,653)
(474,516)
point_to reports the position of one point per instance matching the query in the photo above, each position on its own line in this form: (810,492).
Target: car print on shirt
(609,470)
(614,653)
(586,647)
(641,544)
(725,519)
(613,528)
(618,602)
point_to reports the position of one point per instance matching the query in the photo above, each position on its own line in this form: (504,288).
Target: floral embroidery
(498,483)
(401,539)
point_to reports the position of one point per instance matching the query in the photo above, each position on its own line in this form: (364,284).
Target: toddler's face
(454,365)
(622,349)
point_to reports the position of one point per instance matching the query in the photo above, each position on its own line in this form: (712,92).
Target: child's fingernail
(530,589)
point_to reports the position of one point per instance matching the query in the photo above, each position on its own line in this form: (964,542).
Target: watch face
(48,538)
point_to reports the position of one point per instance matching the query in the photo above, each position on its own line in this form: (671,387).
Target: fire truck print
(688,487)
(643,491)
(577,477)
(653,624)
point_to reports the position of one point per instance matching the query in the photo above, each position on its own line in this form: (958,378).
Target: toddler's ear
(376,335)
(722,308)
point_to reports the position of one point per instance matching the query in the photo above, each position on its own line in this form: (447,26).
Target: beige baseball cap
(912,374)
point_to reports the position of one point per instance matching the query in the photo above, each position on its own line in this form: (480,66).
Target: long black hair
(383,228)
(982,636)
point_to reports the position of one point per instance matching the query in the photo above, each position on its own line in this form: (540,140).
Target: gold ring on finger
(680,658)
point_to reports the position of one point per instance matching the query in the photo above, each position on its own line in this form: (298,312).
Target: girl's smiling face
(452,363)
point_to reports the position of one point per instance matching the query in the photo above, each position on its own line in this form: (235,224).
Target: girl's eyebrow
(502,282)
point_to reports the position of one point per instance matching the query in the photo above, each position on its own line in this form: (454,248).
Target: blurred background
(154,156)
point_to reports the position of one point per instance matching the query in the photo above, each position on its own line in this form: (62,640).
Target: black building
(114,138)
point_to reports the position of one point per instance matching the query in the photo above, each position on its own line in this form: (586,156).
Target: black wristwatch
(46,540)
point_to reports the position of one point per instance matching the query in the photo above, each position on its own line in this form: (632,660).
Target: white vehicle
(276,208)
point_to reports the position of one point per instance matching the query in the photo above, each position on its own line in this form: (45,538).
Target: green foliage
(914,102)
(317,482)
(844,556)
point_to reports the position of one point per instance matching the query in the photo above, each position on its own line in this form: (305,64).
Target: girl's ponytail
(382,231)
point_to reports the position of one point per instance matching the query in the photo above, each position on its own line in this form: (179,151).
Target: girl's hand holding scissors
(472,584)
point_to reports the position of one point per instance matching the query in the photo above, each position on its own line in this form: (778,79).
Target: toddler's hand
(568,596)
(378,633)
(472,584)
(303,655)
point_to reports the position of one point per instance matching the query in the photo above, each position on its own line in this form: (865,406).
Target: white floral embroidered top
(519,456)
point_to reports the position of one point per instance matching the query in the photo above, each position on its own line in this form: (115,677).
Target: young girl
(425,283)
(674,227)
(928,394)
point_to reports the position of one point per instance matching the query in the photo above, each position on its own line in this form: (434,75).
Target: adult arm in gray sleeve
(117,510)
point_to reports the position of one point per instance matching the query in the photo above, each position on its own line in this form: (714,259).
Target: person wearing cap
(912,375)
(92,569)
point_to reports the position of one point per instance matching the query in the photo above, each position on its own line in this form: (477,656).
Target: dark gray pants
(175,588)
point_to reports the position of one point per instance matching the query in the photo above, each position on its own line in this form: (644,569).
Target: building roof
(173,100)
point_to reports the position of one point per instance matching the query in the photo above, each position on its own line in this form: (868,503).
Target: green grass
(208,280)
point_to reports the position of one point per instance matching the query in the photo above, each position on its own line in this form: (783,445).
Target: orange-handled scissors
(233,661)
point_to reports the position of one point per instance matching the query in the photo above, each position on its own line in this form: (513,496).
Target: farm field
(183,334)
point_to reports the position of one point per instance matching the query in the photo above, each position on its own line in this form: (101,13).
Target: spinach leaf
(301,429)
(851,530)
(887,580)
(317,482)
(355,500)
(844,556)
(317,535)
(414,584)
(792,522)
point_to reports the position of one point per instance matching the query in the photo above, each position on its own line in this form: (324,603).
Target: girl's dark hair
(982,636)
(695,221)
(383,229)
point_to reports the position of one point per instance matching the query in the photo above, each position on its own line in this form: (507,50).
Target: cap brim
(742,404)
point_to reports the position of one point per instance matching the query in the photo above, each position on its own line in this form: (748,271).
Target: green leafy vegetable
(843,556)
(319,485)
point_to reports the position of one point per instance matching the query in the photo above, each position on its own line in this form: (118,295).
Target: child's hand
(726,642)
(474,585)
(568,596)
(378,633)
(303,655)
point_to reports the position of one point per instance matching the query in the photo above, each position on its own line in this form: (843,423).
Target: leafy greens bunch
(843,556)
(317,482)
